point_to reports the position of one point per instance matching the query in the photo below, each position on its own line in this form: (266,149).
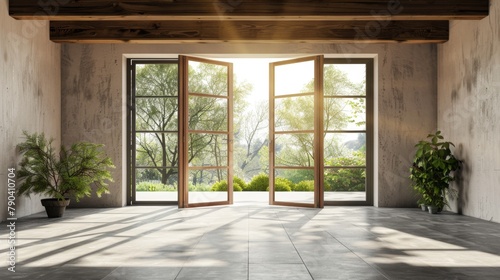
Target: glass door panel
(207,122)
(294,153)
(348,136)
(154,124)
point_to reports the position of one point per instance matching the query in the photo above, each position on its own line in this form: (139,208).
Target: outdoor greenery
(433,169)
(67,173)
(346,179)
(154,187)
(259,183)
(222,185)
(157,151)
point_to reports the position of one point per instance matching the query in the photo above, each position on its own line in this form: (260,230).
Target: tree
(298,114)
(157,114)
(251,137)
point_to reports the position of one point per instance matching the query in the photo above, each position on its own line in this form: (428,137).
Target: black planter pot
(54,207)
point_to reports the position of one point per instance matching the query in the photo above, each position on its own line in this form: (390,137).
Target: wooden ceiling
(206,21)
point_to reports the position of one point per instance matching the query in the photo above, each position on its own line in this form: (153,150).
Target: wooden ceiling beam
(248,31)
(285,10)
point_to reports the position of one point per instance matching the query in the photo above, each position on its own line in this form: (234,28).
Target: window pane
(344,79)
(294,185)
(156,179)
(294,78)
(207,78)
(208,114)
(345,113)
(348,184)
(294,113)
(294,149)
(207,185)
(208,150)
(156,80)
(156,114)
(345,149)
(156,149)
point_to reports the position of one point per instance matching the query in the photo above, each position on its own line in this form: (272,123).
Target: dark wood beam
(248,31)
(285,10)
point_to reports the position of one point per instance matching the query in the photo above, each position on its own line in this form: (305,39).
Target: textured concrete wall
(468,111)
(30,92)
(93,90)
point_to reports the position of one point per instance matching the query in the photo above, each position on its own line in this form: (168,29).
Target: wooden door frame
(184,132)
(317,131)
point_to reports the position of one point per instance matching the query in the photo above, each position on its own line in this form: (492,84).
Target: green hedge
(335,180)
(154,187)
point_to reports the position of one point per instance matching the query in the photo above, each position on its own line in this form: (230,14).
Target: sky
(256,72)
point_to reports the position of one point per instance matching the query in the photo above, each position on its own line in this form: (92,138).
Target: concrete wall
(93,108)
(30,86)
(468,111)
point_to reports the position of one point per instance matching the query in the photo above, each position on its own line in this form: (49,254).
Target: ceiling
(235,21)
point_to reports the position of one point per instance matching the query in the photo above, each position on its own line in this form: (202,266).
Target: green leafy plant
(154,187)
(304,186)
(282,185)
(433,169)
(346,179)
(221,186)
(259,183)
(69,173)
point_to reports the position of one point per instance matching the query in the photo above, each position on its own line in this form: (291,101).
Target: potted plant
(433,170)
(68,173)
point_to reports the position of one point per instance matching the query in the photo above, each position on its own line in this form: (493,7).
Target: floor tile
(279,271)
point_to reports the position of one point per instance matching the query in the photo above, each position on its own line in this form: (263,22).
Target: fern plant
(433,169)
(69,173)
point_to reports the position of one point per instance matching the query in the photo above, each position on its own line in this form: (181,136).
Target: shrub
(346,179)
(304,186)
(199,188)
(221,186)
(282,185)
(240,182)
(154,187)
(259,183)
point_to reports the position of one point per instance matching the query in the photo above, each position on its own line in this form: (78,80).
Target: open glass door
(295,132)
(207,132)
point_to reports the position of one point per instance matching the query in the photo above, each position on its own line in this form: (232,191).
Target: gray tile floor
(253,242)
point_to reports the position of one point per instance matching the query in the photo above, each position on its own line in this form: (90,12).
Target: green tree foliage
(298,114)
(157,150)
(251,139)
(160,113)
